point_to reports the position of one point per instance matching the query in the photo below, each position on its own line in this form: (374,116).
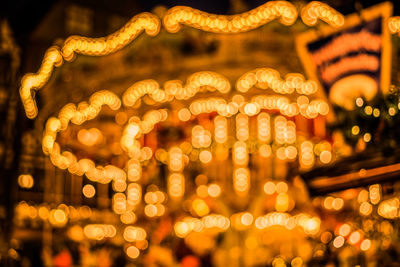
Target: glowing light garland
(316,10)
(106,45)
(173,89)
(250,20)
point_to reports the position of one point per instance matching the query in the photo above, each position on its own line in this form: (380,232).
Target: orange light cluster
(264,78)
(134,233)
(317,10)
(306,155)
(390,208)
(78,115)
(204,80)
(285,11)
(99,231)
(285,131)
(310,225)
(31,81)
(189,224)
(176,185)
(394,24)
(113,42)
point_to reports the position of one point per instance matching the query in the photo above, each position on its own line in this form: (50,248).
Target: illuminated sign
(353,61)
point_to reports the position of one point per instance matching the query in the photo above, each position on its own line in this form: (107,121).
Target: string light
(317,10)
(264,127)
(252,19)
(106,45)
(217,222)
(265,78)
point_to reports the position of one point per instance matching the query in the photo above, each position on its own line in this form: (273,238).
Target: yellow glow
(128,217)
(43,213)
(205,156)
(375,193)
(132,252)
(184,114)
(89,191)
(282,202)
(267,78)
(306,155)
(269,188)
(376,113)
(221,129)
(25,181)
(58,217)
(175,159)
(389,208)
(264,127)
(328,202)
(240,154)
(150,210)
(368,110)
(200,207)
(242,127)
(338,242)
(265,151)
(214,190)
(355,130)
(363,196)
(281,187)
(344,230)
(134,233)
(241,180)
(99,231)
(367,137)
(354,237)
(150,198)
(246,219)
(252,19)
(337,203)
(325,156)
(202,191)
(365,208)
(394,24)
(326,237)
(90,137)
(365,245)
(297,262)
(317,10)
(176,185)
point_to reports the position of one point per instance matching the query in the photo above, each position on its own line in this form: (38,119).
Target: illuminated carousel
(206,170)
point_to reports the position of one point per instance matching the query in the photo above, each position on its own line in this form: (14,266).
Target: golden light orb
(344,229)
(205,156)
(365,245)
(269,188)
(132,252)
(214,190)
(338,242)
(184,114)
(25,181)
